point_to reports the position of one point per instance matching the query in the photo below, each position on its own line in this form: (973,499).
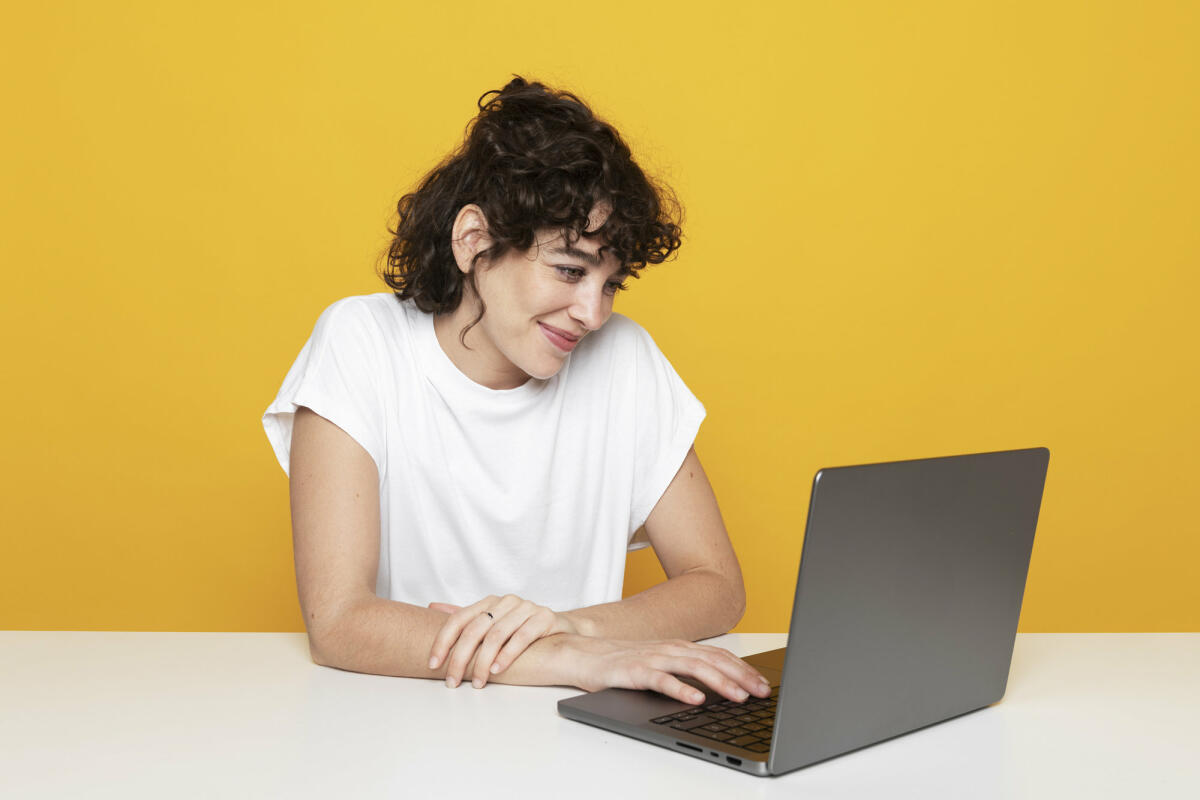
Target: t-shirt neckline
(447,375)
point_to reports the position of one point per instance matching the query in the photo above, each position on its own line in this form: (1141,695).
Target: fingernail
(696,697)
(742,694)
(433,662)
(495,668)
(766,687)
(477,683)
(451,683)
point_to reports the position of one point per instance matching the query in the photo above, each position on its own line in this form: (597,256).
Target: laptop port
(691,747)
(737,762)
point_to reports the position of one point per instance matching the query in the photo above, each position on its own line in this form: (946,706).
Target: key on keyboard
(747,725)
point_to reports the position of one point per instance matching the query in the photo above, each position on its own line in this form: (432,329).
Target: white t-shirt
(534,491)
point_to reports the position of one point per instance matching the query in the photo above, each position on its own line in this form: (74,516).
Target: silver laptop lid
(907,600)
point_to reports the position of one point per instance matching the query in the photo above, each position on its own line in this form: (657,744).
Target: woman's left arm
(703,595)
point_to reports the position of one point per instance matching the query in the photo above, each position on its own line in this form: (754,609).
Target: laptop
(909,589)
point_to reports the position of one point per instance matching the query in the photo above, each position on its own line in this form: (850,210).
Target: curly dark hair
(534,158)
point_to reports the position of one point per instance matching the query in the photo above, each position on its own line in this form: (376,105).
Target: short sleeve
(668,416)
(337,375)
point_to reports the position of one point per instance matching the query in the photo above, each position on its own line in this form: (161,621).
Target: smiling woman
(535,297)
(471,453)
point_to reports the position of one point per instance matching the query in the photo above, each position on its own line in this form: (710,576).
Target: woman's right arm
(335,534)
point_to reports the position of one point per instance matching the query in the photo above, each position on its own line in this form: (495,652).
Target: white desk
(181,715)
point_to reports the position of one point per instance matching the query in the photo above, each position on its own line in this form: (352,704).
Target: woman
(470,454)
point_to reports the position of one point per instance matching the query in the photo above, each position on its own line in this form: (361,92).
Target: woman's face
(540,303)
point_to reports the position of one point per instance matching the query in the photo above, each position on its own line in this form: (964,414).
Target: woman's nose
(591,309)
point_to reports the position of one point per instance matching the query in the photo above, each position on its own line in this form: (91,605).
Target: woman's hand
(596,663)
(493,641)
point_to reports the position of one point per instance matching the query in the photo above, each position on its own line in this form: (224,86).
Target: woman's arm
(335,524)
(335,530)
(704,595)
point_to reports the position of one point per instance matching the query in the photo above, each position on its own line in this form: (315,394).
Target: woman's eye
(574,274)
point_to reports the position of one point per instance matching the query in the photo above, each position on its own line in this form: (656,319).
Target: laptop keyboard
(747,725)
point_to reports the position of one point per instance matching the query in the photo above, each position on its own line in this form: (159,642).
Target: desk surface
(131,715)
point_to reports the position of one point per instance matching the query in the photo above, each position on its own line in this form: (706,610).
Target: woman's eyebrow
(575,252)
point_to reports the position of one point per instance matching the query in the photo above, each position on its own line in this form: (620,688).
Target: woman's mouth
(558,339)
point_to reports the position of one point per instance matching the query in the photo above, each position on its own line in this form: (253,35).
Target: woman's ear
(469,236)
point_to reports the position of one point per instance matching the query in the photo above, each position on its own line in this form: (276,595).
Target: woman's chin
(545,371)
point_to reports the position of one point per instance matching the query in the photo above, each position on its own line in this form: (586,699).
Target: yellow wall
(914,229)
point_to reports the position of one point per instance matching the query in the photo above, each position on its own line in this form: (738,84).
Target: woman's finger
(668,684)
(745,675)
(737,670)
(452,628)
(521,621)
(464,649)
(704,672)
(544,622)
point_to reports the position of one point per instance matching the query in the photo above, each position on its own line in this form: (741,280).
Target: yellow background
(913,229)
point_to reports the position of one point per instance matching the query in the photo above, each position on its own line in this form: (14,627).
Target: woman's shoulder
(374,329)
(380,314)
(380,306)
